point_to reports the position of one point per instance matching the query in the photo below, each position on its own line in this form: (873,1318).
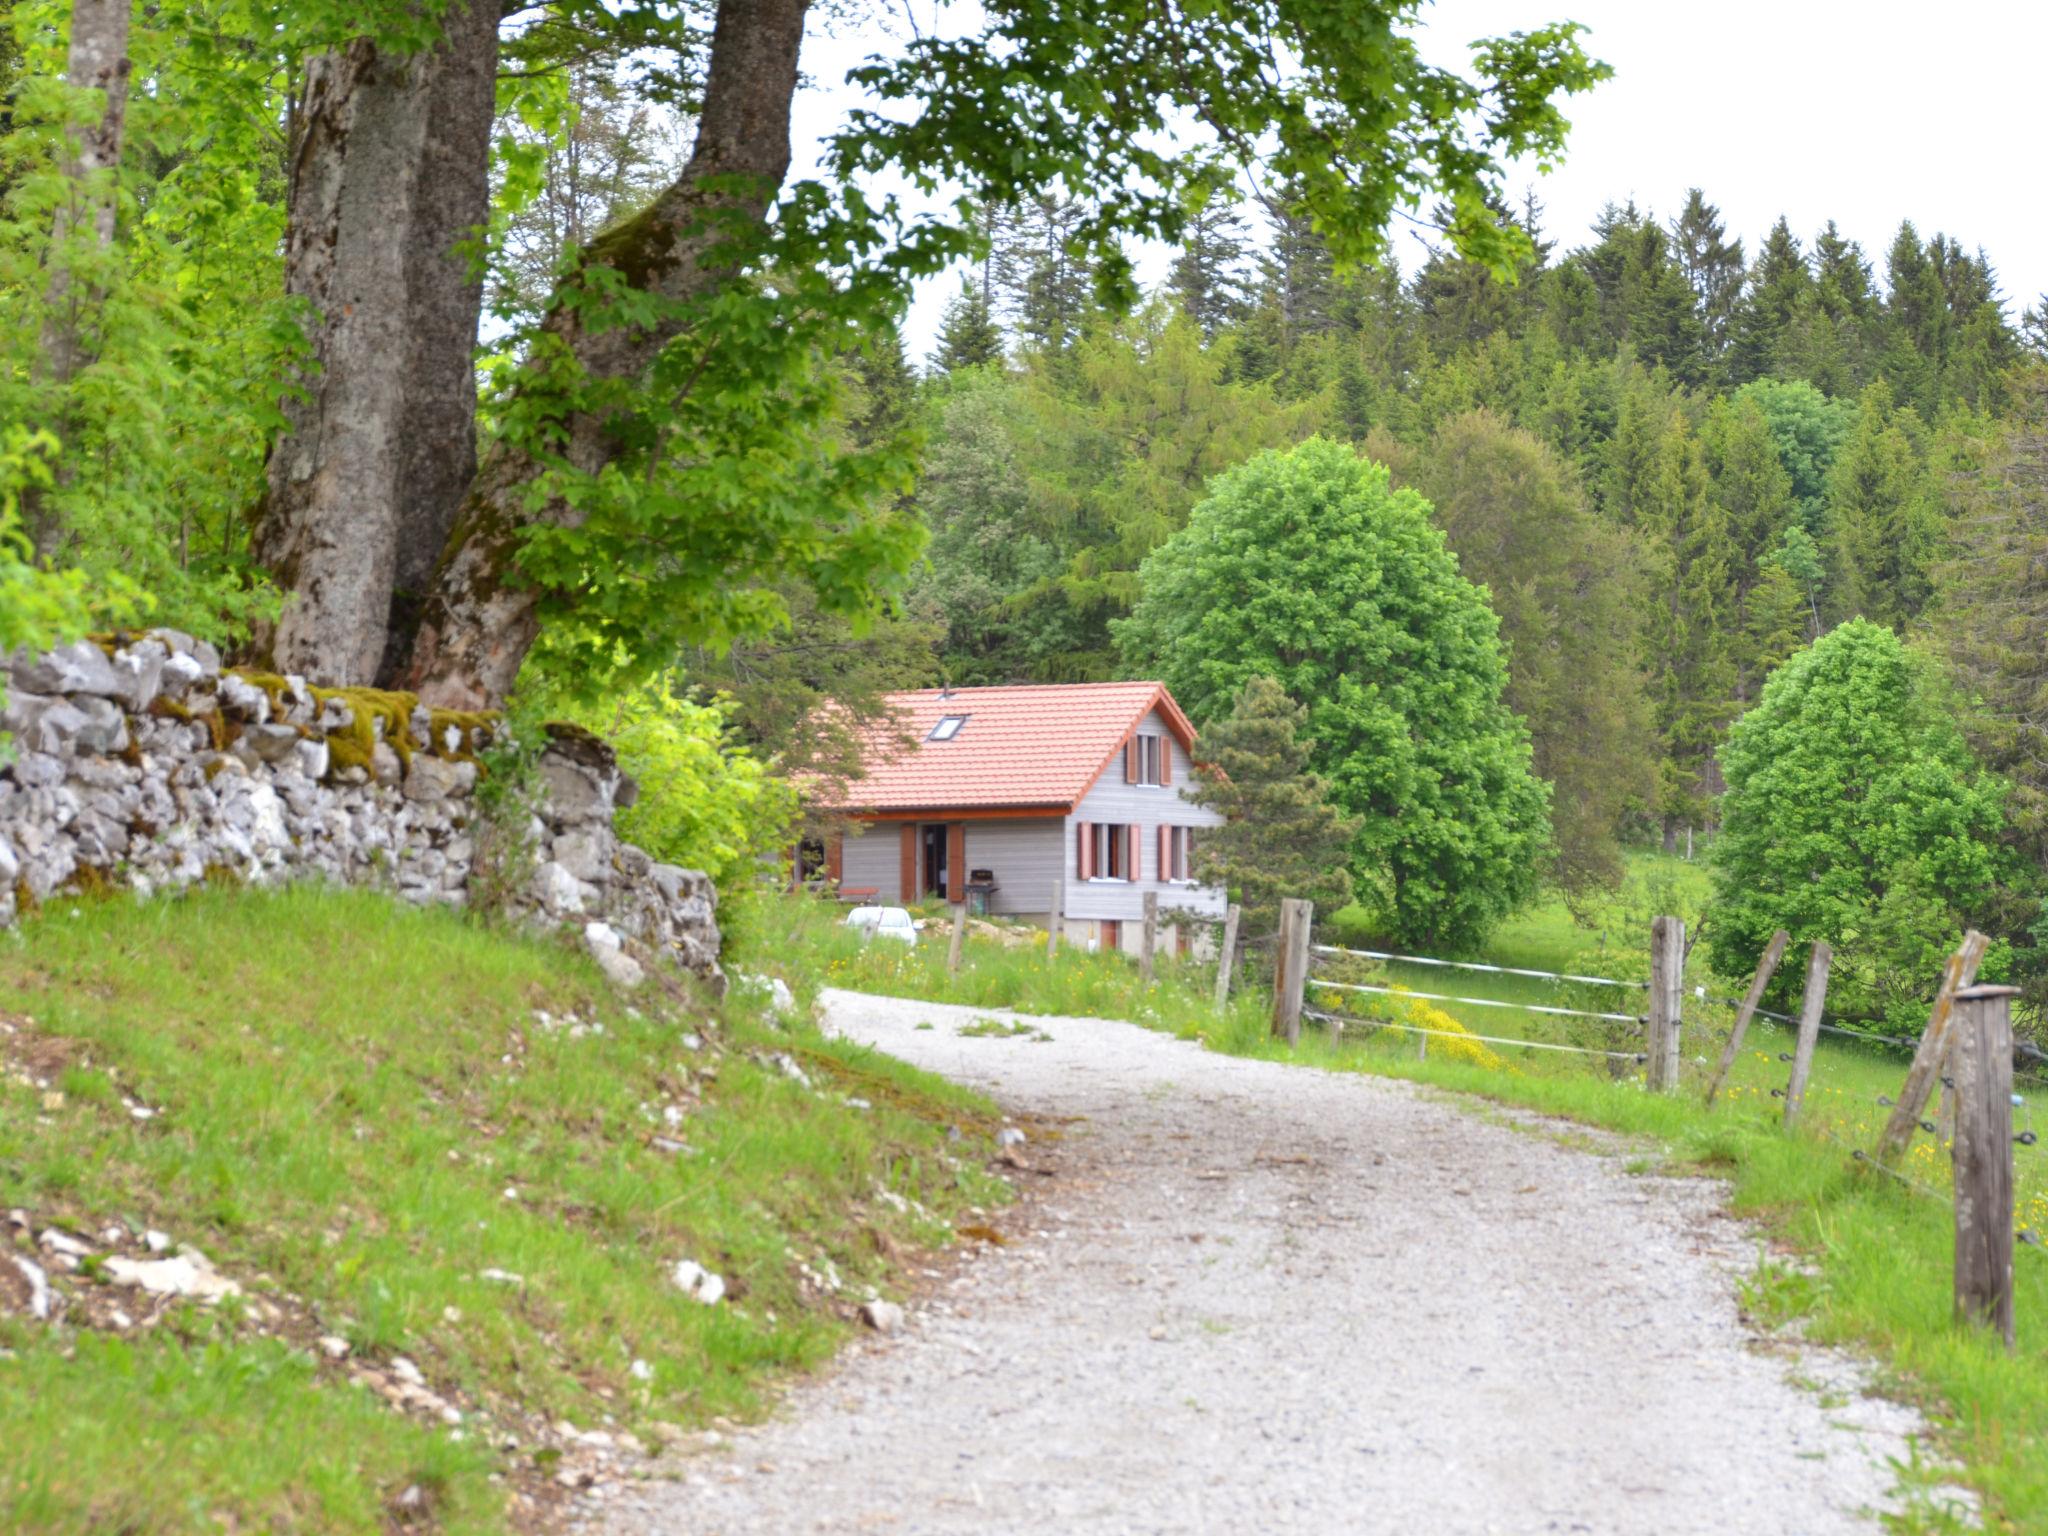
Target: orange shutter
(1131,760)
(1166,760)
(835,859)
(1084,851)
(1131,851)
(1166,853)
(909,870)
(956,862)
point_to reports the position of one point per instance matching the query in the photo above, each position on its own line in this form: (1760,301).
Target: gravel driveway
(1256,1298)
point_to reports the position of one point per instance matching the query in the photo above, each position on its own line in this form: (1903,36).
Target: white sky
(1865,113)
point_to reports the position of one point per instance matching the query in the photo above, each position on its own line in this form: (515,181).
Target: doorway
(936,882)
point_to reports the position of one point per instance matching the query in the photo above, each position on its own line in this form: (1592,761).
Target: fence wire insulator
(1784,1055)
(2029,1235)
(2025,1138)
(1929,1127)
(1949,1083)
(1777,1093)
(1885,1099)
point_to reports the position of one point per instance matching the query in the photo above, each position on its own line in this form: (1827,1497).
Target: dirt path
(1259,1298)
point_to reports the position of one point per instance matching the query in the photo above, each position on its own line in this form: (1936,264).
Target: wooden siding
(1148,807)
(871,857)
(1026,855)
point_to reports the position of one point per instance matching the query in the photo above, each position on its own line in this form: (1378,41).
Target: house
(1003,795)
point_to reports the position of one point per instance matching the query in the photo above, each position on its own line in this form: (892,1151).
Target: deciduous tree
(1309,567)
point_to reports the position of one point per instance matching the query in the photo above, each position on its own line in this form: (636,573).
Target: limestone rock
(697,1282)
(80,667)
(882,1316)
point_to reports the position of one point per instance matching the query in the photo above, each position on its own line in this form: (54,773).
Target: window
(1146,760)
(1106,850)
(947,728)
(1176,853)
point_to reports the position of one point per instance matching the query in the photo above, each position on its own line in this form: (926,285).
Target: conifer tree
(1777,288)
(1712,265)
(1885,513)
(969,336)
(1836,328)
(1209,275)
(1048,278)
(1754,494)
(1280,836)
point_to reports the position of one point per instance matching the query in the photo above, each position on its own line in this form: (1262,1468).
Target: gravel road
(1255,1298)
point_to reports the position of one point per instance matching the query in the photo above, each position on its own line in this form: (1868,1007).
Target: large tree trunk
(389,165)
(445,295)
(481,617)
(98,61)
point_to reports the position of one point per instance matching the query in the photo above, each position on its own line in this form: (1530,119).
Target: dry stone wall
(145,765)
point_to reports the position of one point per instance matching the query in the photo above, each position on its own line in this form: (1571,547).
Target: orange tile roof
(1032,747)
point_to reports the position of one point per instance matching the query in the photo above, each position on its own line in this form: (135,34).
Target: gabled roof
(1036,747)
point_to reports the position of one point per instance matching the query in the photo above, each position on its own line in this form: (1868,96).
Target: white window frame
(958,722)
(1151,760)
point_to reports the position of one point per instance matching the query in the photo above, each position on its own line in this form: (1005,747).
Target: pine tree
(1712,265)
(1778,284)
(1280,836)
(969,336)
(1915,319)
(1300,276)
(1209,275)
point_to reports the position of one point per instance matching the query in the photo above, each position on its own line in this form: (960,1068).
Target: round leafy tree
(1306,566)
(1854,813)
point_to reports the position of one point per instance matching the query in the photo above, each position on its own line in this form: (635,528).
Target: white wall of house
(1023,852)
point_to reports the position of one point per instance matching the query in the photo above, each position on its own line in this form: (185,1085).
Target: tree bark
(481,618)
(98,61)
(445,296)
(389,168)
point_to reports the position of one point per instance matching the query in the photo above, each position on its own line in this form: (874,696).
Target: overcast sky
(1864,113)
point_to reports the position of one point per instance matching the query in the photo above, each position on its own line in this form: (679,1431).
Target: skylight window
(947,728)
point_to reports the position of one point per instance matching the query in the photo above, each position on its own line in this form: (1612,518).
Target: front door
(934,868)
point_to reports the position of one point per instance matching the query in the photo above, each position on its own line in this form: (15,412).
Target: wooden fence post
(1667,984)
(959,937)
(1058,919)
(1810,1005)
(1290,969)
(1982,1066)
(1773,953)
(1148,937)
(1232,916)
(1932,1050)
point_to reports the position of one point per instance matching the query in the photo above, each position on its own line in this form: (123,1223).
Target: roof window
(947,728)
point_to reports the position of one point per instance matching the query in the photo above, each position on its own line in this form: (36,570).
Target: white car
(884,923)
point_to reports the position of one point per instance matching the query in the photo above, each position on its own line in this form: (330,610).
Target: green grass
(360,1113)
(1881,1252)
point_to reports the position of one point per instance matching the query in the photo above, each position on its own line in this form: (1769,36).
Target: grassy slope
(1881,1253)
(359,1104)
